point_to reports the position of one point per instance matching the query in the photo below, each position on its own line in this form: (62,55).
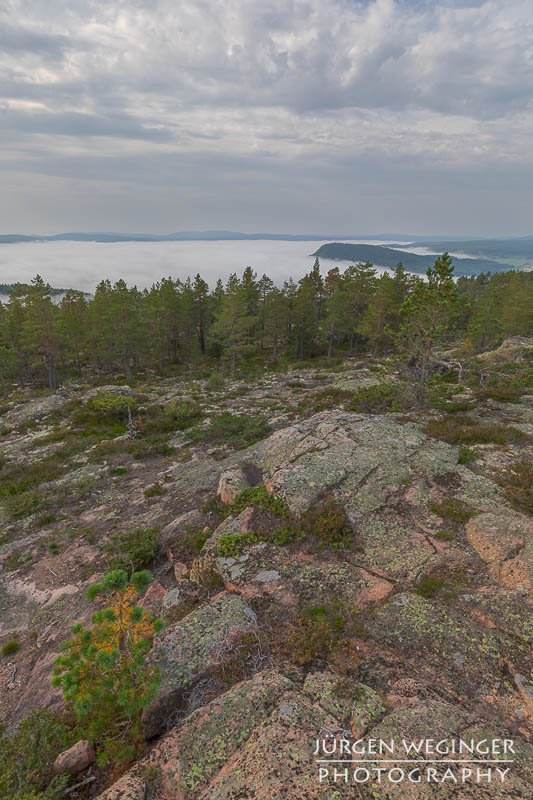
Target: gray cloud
(207,97)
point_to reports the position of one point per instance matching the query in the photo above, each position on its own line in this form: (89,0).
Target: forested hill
(387,257)
(6,288)
(518,249)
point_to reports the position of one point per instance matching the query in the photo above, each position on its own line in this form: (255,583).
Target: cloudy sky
(330,116)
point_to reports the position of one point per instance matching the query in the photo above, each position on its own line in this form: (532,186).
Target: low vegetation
(27,757)
(326,526)
(324,633)
(236,430)
(517,481)
(132,550)
(464,430)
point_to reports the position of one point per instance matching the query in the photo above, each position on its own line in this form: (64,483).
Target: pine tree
(275,323)
(428,313)
(517,306)
(266,287)
(73,325)
(360,282)
(200,297)
(233,324)
(378,321)
(338,319)
(305,314)
(40,329)
(486,329)
(103,670)
(164,316)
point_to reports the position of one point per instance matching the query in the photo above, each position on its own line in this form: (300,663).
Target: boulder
(76,758)
(232,481)
(153,598)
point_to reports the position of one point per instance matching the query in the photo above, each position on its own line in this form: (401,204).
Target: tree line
(124,329)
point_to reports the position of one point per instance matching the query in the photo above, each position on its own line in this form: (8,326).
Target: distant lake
(81,265)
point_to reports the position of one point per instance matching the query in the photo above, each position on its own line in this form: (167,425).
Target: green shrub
(324,526)
(236,430)
(25,504)
(321,632)
(46,519)
(260,497)
(215,382)
(118,470)
(132,550)
(329,526)
(445,535)
(506,392)
(464,430)
(190,543)
(10,647)
(110,403)
(454,510)
(429,586)
(231,544)
(177,415)
(27,758)
(151,447)
(140,449)
(154,490)
(457,406)
(466,455)
(379,399)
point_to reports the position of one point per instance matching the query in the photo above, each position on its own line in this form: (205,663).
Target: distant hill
(5,288)
(388,257)
(191,236)
(519,248)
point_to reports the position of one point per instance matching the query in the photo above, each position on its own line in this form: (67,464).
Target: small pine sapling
(103,671)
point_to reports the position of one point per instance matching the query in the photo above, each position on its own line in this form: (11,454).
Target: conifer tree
(266,287)
(73,325)
(40,329)
(103,670)
(378,319)
(428,313)
(200,297)
(305,314)
(486,327)
(517,306)
(275,323)
(233,323)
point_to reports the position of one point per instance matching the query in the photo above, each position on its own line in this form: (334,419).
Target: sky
(296,116)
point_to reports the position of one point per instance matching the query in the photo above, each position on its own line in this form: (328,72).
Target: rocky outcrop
(258,739)
(430,587)
(512,349)
(191,649)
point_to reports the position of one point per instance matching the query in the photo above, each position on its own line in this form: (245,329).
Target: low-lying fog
(81,265)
